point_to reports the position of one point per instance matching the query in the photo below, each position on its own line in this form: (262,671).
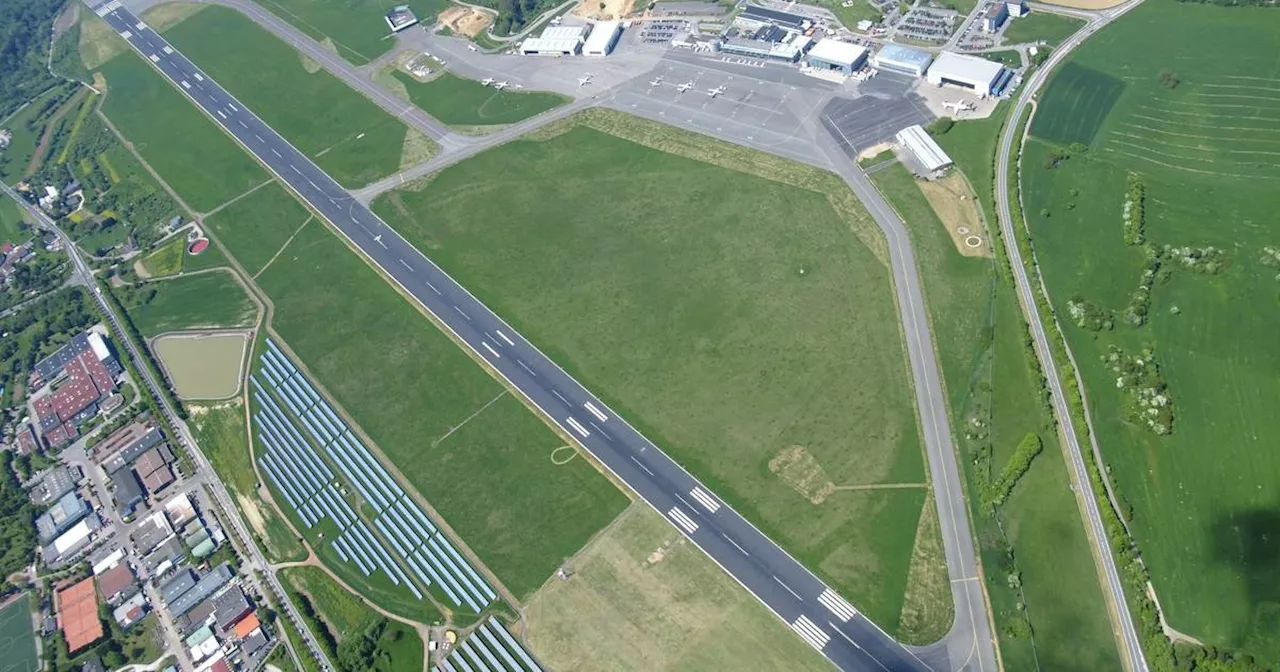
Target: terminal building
(982,77)
(783,52)
(557,41)
(922,146)
(603,38)
(836,55)
(904,60)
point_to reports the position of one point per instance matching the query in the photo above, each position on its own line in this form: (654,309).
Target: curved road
(1122,620)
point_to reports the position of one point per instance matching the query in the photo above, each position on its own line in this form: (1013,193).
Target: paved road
(229,511)
(1122,620)
(815,612)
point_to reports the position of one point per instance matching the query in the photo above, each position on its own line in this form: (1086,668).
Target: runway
(815,612)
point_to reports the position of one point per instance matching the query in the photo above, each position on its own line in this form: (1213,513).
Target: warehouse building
(837,55)
(922,146)
(983,77)
(603,38)
(907,61)
(556,41)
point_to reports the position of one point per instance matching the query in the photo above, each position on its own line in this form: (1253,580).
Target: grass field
(17,639)
(643,598)
(734,319)
(408,386)
(1076,103)
(200,301)
(347,620)
(257,226)
(463,102)
(166,260)
(11,221)
(979,338)
(1202,134)
(346,134)
(220,431)
(1040,26)
(205,367)
(168,131)
(354,29)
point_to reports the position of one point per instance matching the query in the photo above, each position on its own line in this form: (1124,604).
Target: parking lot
(933,25)
(657,32)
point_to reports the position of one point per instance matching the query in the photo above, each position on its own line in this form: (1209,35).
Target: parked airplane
(487,81)
(501,85)
(584,80)
(685,87)
(957,106)
(716,91)
(656,81)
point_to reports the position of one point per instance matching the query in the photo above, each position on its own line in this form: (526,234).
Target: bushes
(1019,462)
(1146,393)
(940,126)
(1088,315)
(1135,218)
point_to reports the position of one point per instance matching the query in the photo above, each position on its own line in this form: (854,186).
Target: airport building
(769,51)
(400,17)
(556,41)
(907,61)
(995,16)
(837,55)
(922,146)
(760,16)
(983,77)
(1016,8)
(603,38)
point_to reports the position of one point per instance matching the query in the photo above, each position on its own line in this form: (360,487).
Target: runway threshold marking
(126,34)
(186,85)
(595,411)
(503,337)
(577,427)
(490,349)
(233,107)
(838,606)
(810,632)
(683,520)
(641,465)
(705,499)
(154,58)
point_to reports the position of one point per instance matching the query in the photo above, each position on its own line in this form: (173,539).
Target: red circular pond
(200,245)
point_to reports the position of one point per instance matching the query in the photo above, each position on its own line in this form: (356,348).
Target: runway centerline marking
(406,265)
(735,544)
(526,368)
(789,590)
(455,307)
(641,465)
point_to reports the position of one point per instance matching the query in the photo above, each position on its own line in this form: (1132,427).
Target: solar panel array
(310,487)
(489,648)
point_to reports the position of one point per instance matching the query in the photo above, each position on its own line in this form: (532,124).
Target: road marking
(276,152)
(602,432)
(595,411)
(526,368)
(242,125)
(705,499)
(810,632)
(490,349)
(735,544)
(402,261)
(140,26)
(126,34)
(198,76)
(638,464)
(578,427)
(838,606)
(167,49)
(456,308)
(233,107)
(504,337)
(561,397)
(220,114)
(154,58)
(780,583)
(683,520)
(259,137)
(185,84)
(433,287)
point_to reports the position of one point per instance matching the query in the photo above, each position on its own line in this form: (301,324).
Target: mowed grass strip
(1041,26)
(257,226)
(1075,104)
(737,321)
(465,102)
(202,301)
(187,149)
(409,387)
(354,29)
(643,598)
(348,136)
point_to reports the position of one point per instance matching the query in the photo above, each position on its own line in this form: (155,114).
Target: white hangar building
(897,58)
(603,38)
(556,41)
(983,77)
(922,145)
(836,55)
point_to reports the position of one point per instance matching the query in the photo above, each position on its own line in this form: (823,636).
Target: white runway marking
(433,287)
(186,85)
(602,432)
(275,151)
(242,125)
(403,262)
(780,583)
(233,107)
(504,337)
(595,411)
(490,349)
(126,34)
(140,26)
(457,309)
(220,114)
(295,169)
(561,397)
(198,76)
(838,606)
(638,464)
(526,368)
(735,544)
(259,137)
(154,58)
(705,499)
(810,632)
(578,427)
(683,520)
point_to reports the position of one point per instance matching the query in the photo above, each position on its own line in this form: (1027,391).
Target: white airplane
(656,81)
(518,86)
(685,87)
(501,85)
(957,106)
(584,80)
(716,91)
(487,81)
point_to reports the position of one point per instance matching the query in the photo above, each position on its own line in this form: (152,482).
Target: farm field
(1201,135)
(979,338)
(643,598)
(205,300)
(17,639)
(167,130)
(220,431)
(461,102)
(341,620)
(489,476)
(1041,26)
(354,29)
(202,366)
(606,292)
(257,226)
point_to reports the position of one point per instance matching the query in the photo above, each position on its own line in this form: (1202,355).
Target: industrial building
(763,17)
(905,60)
(399,18)
(983,77)
(61,516)
(603,38)
(995,16)
(837,55)
(557,41)
(922,146)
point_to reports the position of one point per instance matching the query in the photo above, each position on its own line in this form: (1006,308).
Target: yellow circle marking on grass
(572,454)
(973,241)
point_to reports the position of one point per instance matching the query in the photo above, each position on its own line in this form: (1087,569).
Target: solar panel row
(490,648)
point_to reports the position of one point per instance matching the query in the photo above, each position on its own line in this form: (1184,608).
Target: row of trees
(24,31)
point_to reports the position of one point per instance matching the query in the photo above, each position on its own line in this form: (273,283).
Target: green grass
(730,317)
(355,28)
(202,164)
(167,260)
(1205,519)
(257,226)
(17,639)
(1010,58)
(1076,103)
(220,431)
(464,102)
(346,134)
(12,219)
(206,300)
(1039,26)
(22,147)
(281,659)
(399,649)
(520,513)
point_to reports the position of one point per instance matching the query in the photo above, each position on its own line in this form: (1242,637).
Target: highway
(229,512)
(815,612)
(1122,620)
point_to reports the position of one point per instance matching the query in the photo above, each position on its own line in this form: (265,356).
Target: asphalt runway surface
(816,613)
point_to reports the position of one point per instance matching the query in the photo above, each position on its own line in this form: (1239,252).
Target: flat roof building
(206,586)
(922,146)
(72,541)
(603,38)
(66,512)
(116,583)
(995,16)
(399,18)
(53,485)
(897,58)
(772,51)
(837,55)
(128,491)
(983,77)
(773,16)
(150,532)
(556,41)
